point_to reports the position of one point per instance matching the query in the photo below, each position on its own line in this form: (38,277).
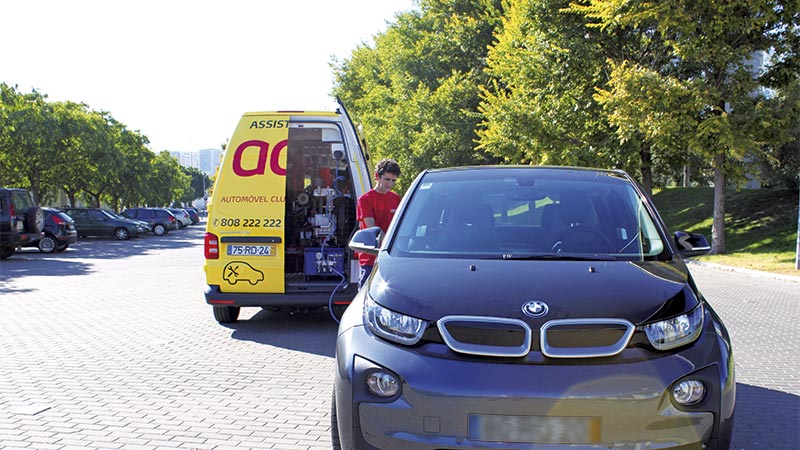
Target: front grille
(487,336)
(585,338)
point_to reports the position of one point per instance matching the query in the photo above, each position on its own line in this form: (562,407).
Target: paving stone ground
(111,346)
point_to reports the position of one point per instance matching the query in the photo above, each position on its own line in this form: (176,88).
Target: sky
(183,72)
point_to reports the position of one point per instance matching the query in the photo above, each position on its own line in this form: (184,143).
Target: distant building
(205,160)
(209,159)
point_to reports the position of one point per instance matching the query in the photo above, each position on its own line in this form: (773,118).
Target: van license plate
(251,250)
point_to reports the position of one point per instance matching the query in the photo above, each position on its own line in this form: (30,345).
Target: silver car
(531,308)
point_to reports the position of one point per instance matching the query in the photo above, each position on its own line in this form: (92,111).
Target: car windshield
(527,213)
(115,215)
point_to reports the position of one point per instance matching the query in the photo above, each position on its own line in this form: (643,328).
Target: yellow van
(283,211)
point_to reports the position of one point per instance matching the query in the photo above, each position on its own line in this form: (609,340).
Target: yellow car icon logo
(237,271)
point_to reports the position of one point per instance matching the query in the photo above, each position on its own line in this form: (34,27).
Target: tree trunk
(686,175)
(718,227)
(647,169)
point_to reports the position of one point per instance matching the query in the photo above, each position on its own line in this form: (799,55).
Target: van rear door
(249,204)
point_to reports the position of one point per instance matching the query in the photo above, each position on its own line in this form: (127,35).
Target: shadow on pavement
(280,329)
(765,419)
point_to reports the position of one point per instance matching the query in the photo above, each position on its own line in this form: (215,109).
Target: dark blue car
(531,308)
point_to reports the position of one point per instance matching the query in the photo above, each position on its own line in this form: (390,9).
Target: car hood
(433,288)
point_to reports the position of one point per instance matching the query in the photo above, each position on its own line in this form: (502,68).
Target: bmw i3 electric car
(531,308)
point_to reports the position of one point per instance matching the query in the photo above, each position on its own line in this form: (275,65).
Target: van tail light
(58,220)
(11,211)
(211,246)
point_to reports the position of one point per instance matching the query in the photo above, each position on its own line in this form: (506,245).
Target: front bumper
(440,397)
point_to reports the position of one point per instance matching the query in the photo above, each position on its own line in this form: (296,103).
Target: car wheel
(34,219)
(122,234)
(47,244)
(5,252)
(335,443)
(226,314)
(159,230)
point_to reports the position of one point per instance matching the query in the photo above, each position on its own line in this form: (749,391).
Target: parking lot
(110,345)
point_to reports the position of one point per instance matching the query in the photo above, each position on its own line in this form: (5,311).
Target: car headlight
(392,325)
(677,331)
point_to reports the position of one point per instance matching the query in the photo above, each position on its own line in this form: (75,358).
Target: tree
(415,90)
(27,141)
(724,54)
(199,181)
(167,181)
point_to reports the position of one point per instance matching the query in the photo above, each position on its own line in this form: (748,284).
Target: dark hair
(387,165)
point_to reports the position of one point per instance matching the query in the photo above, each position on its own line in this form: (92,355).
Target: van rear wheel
(226,314)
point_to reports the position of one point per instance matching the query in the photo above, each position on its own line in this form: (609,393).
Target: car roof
(526,167)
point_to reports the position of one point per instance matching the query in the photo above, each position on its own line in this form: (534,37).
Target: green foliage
(51,146)
(415,91)
(762,223)
(199,181)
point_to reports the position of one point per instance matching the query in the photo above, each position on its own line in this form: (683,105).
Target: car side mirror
(366,241)
(691,244)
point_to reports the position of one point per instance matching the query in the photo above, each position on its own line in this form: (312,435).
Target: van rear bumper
(296,298)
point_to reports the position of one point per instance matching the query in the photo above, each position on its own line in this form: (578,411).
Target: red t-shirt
(380,207)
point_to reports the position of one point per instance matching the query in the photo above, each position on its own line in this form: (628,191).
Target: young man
(377,207)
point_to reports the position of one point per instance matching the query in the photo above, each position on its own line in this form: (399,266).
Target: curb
(751,272)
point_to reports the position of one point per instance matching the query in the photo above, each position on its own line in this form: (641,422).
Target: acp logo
(261,163)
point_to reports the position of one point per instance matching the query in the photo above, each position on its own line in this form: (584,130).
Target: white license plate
(535,429)
(251,250)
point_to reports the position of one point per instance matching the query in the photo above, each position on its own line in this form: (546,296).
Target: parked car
(183,217)
(59,232)
(531,307)
(21,220)
(194,215)
(160,220)
(99,222)
(143,226)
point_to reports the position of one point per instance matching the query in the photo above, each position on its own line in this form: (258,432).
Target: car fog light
(689,392)
(382,384)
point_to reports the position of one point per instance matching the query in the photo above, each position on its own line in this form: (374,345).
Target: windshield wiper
(556,256)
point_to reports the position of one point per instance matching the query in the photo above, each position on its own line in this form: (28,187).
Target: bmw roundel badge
(535,308)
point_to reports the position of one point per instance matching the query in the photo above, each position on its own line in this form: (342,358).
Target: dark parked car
(194,215)
(59,232)
(21,220)
(99,222)
(141,225)
(161,221)
(531,307)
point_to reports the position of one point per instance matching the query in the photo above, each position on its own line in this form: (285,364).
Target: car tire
(5,252)
(122,234)
(336,444)
(48,244)
(159,230)
(226,314)
(61,248)
(34,219)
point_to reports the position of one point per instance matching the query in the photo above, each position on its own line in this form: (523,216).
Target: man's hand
(369,221)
